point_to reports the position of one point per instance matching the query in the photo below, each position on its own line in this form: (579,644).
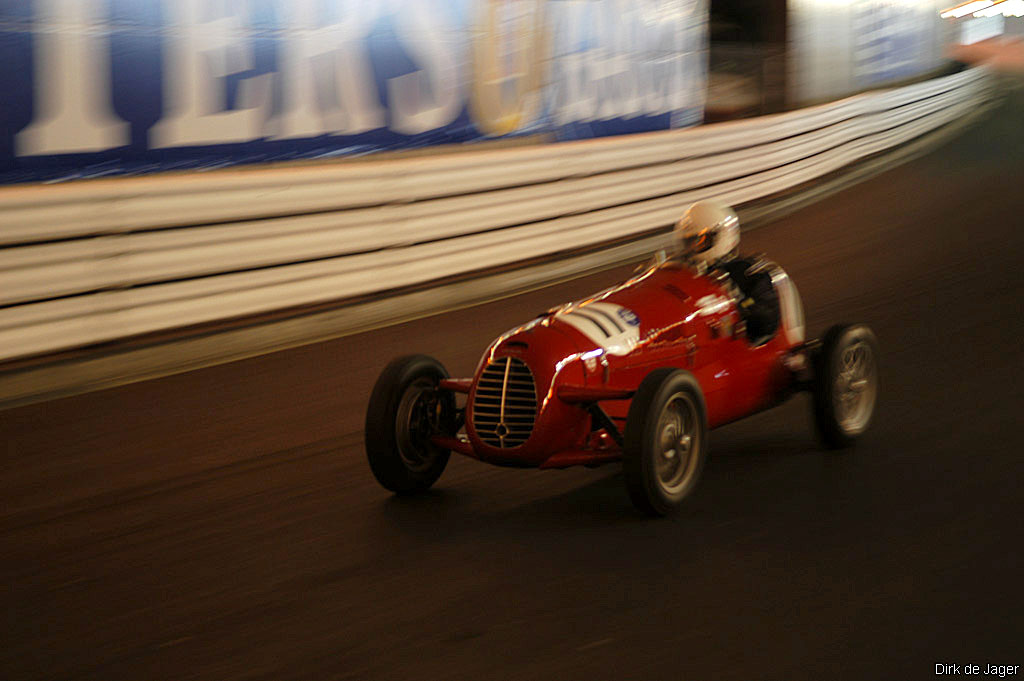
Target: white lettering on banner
(433,96)
(687,88)
(606,59)
(203,52)
(326,73)
(647,59)
(654,81)
(621,62)
(572,93)
(74,113)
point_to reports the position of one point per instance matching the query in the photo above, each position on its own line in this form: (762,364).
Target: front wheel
(845,384)
(406,409)
(665,442)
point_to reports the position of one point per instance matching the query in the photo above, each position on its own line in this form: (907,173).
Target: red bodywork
(673,318)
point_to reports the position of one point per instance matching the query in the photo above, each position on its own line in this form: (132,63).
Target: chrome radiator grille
(505,404)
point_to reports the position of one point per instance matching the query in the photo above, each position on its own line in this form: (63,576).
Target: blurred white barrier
(97,261)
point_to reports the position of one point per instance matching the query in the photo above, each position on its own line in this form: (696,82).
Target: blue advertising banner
(101,87)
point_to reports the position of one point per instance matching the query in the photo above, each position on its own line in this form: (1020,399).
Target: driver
(708,238)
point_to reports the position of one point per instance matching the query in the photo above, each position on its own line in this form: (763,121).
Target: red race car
(638,373)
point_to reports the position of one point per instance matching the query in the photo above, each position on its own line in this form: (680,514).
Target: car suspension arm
(604,421)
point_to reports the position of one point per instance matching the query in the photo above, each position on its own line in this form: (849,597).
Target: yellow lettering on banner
(511,42)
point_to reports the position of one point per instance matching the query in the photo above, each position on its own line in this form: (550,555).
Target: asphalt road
(224,525)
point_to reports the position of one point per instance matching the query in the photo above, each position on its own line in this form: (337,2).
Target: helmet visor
(699,243)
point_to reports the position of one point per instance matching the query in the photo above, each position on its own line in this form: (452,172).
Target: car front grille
(505,404)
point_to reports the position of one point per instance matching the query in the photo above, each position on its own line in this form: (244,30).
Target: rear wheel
(406,408)
(665,442)
(845,384)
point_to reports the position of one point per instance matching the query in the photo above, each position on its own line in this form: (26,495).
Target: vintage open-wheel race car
(637,373)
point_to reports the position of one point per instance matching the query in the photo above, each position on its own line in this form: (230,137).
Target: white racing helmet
(707,232)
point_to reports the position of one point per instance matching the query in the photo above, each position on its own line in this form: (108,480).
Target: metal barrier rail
(97,261)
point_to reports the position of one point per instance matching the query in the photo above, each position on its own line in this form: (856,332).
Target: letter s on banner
(430,98)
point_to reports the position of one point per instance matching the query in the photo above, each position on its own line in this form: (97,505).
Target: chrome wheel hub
(677,437)
(419,417)
(855,387)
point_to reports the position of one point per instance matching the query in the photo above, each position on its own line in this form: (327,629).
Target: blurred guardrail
(94,262)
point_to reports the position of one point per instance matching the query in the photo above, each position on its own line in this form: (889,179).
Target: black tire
(845,384)
(668,403)
(405,409)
